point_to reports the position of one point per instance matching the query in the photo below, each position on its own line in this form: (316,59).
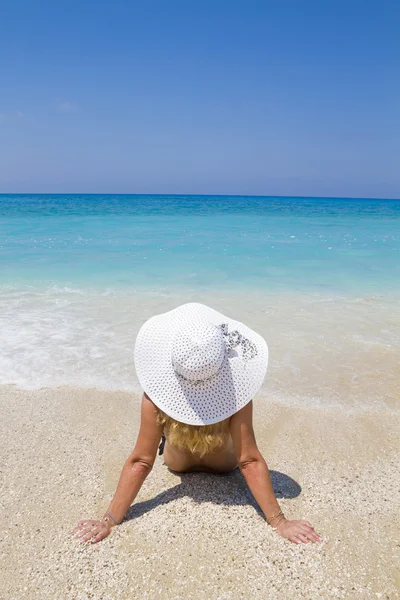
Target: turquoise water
(157,241)
(318,278)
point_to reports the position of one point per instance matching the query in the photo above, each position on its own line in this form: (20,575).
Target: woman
(199,371)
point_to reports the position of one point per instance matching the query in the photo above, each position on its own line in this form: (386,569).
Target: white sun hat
(198,366)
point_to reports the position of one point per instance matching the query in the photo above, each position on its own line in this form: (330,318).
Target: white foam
(325,351)
(65,337)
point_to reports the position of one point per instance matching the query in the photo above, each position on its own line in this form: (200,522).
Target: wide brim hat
(199,366)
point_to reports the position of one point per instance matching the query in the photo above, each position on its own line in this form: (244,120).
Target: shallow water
(319,279)
(324,350)
(270,243)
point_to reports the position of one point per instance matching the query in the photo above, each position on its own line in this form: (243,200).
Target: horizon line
(180,195)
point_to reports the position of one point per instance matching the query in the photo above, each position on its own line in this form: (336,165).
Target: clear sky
(200,96)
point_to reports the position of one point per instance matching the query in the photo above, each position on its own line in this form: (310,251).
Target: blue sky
(201,96)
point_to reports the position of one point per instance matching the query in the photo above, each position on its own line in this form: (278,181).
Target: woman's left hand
(299,532)
(93,530)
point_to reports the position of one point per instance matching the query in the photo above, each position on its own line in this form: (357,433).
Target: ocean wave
(324,352)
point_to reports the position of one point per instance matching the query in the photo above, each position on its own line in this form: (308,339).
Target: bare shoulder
(245,414)
(149,433)
(148,405)
(242,432)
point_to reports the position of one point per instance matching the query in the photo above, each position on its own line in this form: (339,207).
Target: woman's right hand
(297,531)
(93,530)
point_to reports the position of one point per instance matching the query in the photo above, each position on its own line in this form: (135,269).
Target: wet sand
(195,535)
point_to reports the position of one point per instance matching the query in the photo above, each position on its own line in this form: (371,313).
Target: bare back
(239,446)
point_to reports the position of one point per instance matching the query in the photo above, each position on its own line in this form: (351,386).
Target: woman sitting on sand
(199,371)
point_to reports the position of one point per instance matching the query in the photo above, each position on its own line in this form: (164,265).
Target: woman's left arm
(134,472)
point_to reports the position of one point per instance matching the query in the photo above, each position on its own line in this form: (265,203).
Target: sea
(319,278)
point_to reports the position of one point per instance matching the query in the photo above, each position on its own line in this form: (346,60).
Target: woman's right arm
(136,468)
(255,470)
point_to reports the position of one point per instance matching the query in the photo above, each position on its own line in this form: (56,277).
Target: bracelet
(280,513)
(281,519)
(111,517)
(107,520)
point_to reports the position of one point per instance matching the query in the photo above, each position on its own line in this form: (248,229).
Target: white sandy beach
(240,155)
(197,535)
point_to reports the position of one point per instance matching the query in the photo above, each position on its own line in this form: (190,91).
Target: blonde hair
(201,439)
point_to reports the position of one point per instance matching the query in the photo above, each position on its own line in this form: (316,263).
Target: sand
(196,535)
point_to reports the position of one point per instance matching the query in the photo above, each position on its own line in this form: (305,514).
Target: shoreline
(253,287)
(323,351)
(64,449)
(264,396)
